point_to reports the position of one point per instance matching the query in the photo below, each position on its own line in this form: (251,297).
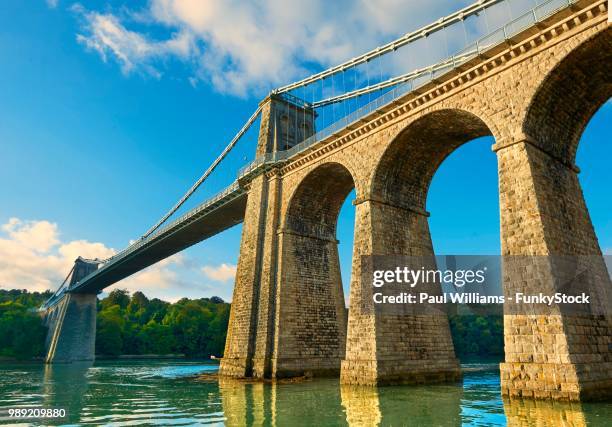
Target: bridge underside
(167,244)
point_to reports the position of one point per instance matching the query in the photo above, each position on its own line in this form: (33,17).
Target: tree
(125,325)
(475,335)
(157,310)
(22,333)
(120,297)
(157,339)
(109,336)
(218,330)
(188,324)
(137,309)
(25,298)
(217,300)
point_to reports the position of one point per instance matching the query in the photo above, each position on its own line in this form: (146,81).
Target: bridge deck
(210,218)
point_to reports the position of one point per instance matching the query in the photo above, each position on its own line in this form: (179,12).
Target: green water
(165,393)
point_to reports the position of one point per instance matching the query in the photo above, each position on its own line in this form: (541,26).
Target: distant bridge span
(210,218)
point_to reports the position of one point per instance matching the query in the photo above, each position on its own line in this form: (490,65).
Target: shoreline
(144,356)
(6,359)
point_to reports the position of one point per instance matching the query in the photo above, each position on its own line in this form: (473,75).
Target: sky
(110,110)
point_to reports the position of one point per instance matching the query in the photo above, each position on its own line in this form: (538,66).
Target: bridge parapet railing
(263,162)
(177,222)
(417,79)
(233,188)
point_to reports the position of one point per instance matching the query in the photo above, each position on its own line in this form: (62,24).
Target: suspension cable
(61,286)
(390,82)
(205,175)
(395,44)
(442,23)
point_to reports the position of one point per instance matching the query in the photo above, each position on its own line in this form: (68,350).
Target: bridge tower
(285,122)
(71,336)
(253,330)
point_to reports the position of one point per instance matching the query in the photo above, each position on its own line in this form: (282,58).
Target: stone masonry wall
(543,213)
(242,329)
(391,157)
(72,330)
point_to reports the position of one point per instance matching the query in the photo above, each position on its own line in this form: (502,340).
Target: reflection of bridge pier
(247,403)
(543,413)
(65,387)
(362,405)
(424,406)
(326,402)
(314,402)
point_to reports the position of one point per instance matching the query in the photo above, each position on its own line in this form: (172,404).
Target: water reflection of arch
(323,402)
(247,403)
(428,405)
(543,413)
(65,387)
(361,405)
(280,404)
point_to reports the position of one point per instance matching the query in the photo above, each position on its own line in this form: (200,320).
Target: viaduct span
(534,92)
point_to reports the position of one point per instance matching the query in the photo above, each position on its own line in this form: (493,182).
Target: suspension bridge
(381,124)
(340,97)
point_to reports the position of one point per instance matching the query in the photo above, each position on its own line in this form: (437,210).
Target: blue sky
(109,112)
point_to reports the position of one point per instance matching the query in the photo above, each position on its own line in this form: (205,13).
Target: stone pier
(546,225)
(71,322)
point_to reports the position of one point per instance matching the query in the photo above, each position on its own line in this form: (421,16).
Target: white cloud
(34,257)
(76,248)
(220,273)
(108,36)
(36,235)
(155,281)
(240,46)
(52,3)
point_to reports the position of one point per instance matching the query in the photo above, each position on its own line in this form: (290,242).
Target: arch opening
(570,95)
(408,345)
(447,153)
(463,199)
(314,315)
(315,205)
(593,154)
(406,169)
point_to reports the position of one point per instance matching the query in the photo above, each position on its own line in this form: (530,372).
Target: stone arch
(406,168)
(389,348)
(569,95)
(312,324)
(315,203)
